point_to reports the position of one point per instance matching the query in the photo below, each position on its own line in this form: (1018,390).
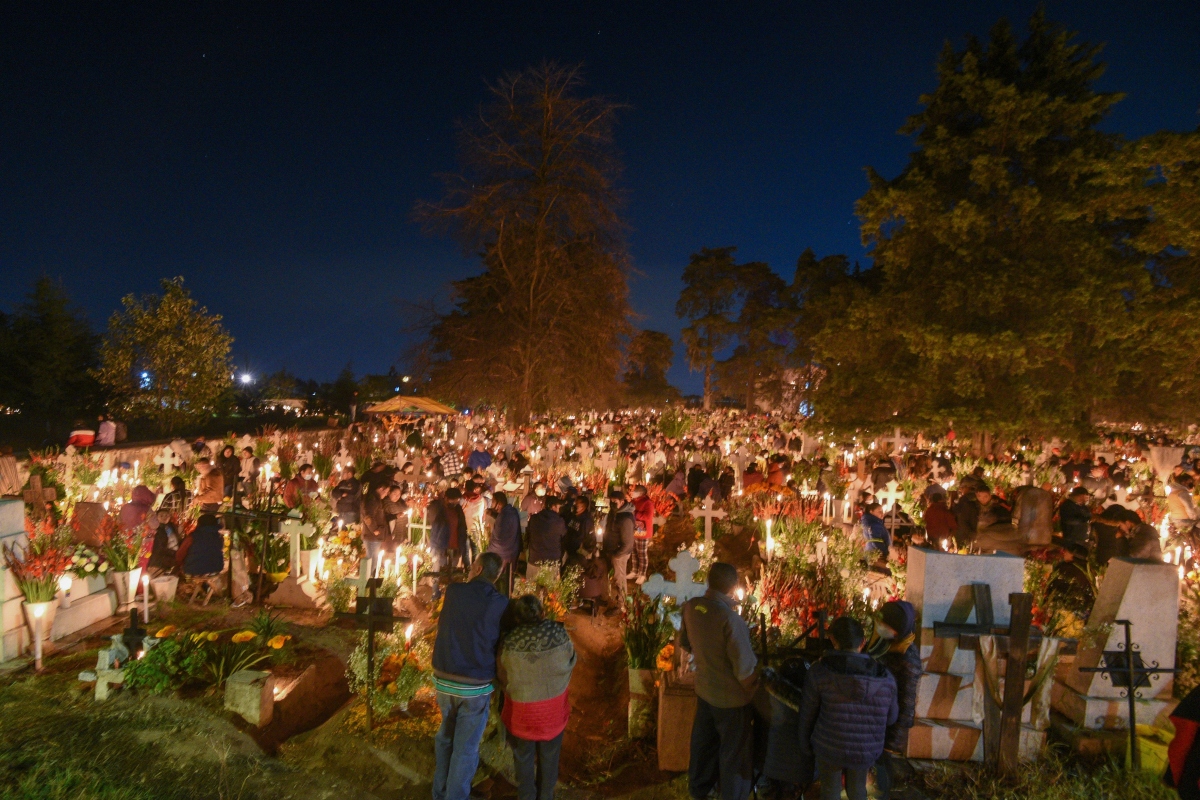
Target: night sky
(272,153)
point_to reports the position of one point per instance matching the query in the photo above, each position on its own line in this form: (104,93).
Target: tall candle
(145,598)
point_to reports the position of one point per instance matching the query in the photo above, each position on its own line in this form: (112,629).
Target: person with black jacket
(1075,516)
(544,537)
(897,640)
(848,703)
(347,497)
(618,542)
(231,468)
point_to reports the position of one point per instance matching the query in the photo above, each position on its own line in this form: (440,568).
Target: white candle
(378,562)
(145,598)
(416,559)
(770,542)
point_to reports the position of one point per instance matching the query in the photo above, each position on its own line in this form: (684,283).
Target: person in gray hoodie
(848,703)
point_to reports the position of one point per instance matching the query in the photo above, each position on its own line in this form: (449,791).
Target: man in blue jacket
(506,532)
(879,538)
(464,666)
(848,703)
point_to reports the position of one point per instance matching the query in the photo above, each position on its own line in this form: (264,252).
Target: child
(902,659)
(849,701)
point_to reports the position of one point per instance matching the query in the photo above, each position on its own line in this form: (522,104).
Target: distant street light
(247,378)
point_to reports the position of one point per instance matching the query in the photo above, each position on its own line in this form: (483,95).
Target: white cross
(897,440)
(182,449)
(422,526)
(585,451)
(605,462)
(708,513)
(683,588)
(168,460)
(890,495)
(343,456)
(1123,499)
(937,472)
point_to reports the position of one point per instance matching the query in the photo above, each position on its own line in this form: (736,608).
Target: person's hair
(639,491)
(500,498)
(846,633)
(869,507)
(553,501)
(722,577)
(177,482)
(489,566)
(304,467)
(616,494)
(207,520)
(453,493)
(527,610)
(983,487)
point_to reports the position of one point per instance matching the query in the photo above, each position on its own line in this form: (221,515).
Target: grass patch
(1053,777)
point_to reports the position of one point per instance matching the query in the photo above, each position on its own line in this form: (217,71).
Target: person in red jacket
(940,522)
(643,532)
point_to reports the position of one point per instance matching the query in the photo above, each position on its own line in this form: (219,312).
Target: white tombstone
(1147,594)
(683,588)
(1164,459)
(168,460)
(709,514)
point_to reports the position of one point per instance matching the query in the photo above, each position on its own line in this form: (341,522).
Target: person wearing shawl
(1183,755)
(534,670)
(895,648)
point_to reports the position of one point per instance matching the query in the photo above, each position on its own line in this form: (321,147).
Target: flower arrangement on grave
(666,658)
(121,548)
(646,629)
(1187,648)
(402,668)
(86,562)
(665,503)
(182,658)
(316,512)
(45,558)
(558,593)
(339,580)
(344,542)
(1054,613)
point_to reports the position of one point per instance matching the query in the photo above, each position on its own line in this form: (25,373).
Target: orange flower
(276,642)
(666,658)
(164,631)
(243,636)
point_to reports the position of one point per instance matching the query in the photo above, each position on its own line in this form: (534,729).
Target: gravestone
(683,588)
(1033,515)
(941,588)
(168,460)
(251,695)
(708,513)
(1147,594)
(14,636)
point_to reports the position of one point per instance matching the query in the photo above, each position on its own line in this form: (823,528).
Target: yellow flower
(391,687)
(212,636)
(276,642)
(243,636)
(164,631)
(665,661)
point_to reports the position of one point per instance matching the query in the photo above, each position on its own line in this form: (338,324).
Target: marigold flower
(212,636)
(243,636)
(276,642)
(164,631)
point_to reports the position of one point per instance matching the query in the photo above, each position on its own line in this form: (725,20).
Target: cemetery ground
(56,741)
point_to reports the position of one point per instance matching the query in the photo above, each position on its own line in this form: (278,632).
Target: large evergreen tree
(541,327)
(1002,301)
(47,348)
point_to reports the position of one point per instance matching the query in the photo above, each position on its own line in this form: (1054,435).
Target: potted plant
(122,549)
(645,631)
(37,570)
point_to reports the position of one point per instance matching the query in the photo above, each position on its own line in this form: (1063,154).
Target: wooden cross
(371,614)
(36,497)
(708,513)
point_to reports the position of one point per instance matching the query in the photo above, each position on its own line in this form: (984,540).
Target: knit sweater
(534,668)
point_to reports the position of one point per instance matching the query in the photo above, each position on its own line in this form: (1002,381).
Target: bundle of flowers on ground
(402,668)
(45,558)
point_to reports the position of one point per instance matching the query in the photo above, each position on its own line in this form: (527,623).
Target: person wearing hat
(896,650)
(1075,516)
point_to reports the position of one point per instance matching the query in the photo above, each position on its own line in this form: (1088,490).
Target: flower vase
(125,584)
(164,588)
(641,703)
(46,611)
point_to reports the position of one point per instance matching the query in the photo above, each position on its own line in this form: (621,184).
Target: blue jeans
(457,744)
(830,776)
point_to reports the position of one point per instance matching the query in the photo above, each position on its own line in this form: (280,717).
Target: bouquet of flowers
(46,558)
(87,562)
(646,629)
(121,548)
(402,668)
(557,593)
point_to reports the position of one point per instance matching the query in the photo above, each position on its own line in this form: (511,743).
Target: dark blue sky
(272,153)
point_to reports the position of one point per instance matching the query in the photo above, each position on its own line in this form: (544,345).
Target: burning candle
(416,559)
(770,541)
(145,598)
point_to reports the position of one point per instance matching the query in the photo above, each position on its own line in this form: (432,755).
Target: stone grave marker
(709,514)
(683,588)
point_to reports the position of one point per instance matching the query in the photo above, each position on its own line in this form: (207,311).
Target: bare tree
(541,327)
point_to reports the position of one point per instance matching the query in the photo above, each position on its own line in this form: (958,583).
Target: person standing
(447,534)
(643,532)
(210,488)
(534,670)
(347,497)
(878,537)
(618,542)
(901,657)
(376,533)
(726,678)
(464,667)
(506,532)
(848,703)
(545,534)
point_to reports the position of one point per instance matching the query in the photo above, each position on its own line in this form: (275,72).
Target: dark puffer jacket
(849,701)
(903,660)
